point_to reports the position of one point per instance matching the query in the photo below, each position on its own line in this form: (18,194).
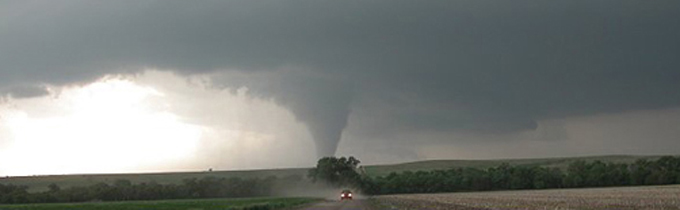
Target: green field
(40,183)
(196,204)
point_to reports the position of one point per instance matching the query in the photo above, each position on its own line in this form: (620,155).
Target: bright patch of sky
(155,121)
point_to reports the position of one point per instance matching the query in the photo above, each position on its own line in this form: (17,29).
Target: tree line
(344,172)
(665,170)
(124,190)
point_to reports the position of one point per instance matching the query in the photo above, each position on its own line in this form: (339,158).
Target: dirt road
(358,204)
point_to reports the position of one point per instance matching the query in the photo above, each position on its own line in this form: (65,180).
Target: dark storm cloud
(482,66)
(24,91)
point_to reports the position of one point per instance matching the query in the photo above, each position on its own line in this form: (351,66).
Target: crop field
(203,204)
(622,198)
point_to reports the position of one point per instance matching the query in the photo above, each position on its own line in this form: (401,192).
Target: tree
(576,174)
(340,172)
(53,188)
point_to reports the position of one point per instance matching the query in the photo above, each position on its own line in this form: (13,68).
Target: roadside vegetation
(124,190)
(579,174)
(338,172)
(205,204)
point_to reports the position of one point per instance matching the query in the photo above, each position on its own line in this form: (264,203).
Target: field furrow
(649,197)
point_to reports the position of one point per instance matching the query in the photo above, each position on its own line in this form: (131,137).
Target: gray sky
(395,80)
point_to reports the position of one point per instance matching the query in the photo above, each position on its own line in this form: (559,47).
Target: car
(346,195)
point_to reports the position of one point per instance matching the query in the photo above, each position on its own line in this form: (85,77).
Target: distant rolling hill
(40,183)
(560,162)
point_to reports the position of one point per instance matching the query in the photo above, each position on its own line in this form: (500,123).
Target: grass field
(620,198)
(40,183)
(202,204)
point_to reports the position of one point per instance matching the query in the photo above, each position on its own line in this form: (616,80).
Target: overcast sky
(259,84)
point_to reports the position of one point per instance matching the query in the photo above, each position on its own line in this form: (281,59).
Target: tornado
(326,130)
(320,101)
(323,105)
